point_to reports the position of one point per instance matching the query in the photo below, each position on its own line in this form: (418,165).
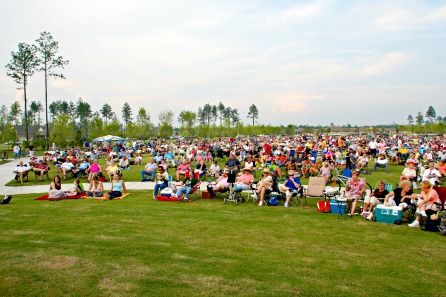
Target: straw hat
(266,170)
(247,169)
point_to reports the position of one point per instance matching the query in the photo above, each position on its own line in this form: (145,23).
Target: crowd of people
(282,161)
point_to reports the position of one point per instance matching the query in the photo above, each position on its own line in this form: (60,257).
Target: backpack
(273,201)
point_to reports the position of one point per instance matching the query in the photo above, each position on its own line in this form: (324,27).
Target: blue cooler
(389,215)
(335,205)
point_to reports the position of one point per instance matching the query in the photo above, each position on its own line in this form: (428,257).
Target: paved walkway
(6,175)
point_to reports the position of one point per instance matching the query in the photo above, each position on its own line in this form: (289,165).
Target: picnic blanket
(78,196)
(105,197)
(170,199)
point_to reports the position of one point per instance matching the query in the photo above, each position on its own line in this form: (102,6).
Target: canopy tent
(108,138)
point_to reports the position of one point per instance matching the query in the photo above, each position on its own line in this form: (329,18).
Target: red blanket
(165,198)
(79,196)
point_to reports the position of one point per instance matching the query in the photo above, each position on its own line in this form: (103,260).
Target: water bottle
(361,209)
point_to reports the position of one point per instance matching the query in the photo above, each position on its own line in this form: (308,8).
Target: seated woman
(201,167)
(276,169)
(263,185)
(188,185)
(291,185)
(401,196)
(431,174)
(441,167)
(56,192)
(375,197)
(117,187)
(325,170)
(354,190)
(182,169)
(96,188)
(138,158)
(429,199)
(111,170)
(161,181)
(362,162)
(306,165)
(244,181)
(40,169)
(249,162)
(409,173)
(124,163)
(221,184)
(93,170)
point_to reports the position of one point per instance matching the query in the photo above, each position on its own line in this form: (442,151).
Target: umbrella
(108,138)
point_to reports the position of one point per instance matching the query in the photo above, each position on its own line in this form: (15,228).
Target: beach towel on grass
(78,196)
(105,197)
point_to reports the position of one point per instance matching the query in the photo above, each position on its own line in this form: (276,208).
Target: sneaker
(254,195)
(423,213)
(356,213)
(349,214)
(260,203)
(185,199)
(414,224)
(286,205)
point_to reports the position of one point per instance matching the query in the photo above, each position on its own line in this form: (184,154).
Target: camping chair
(24,176)
(45,174)
(315,188)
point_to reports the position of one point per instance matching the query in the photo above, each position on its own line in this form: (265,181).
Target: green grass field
(138,246)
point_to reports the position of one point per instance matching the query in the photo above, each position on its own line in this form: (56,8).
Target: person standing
(31,149)
(16,150)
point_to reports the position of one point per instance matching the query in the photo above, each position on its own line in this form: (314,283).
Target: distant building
(34,132)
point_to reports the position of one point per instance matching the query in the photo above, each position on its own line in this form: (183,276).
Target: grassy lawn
(138,246)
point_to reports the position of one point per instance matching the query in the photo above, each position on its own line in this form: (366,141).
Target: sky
(299,62)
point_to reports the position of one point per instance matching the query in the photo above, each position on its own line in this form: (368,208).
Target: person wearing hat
(221,184)
(264,184)
(40,169)
(245,180)
(290,186)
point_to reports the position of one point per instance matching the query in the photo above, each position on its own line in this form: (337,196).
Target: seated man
(382,162)
(188,185)
(233,163)
(66,167)
(20,171)
(83,167)
(291,185)
(124,163)
(214,170)
(221,184)
(149,169)
(40,169)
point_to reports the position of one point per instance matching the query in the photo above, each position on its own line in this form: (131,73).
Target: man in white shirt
(373,145)
(382,162)
(66,167)
(21,170)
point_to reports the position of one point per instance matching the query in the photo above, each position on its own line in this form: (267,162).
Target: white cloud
(387,63)
(438,14)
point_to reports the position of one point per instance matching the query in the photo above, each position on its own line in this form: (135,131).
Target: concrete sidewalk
(6,175)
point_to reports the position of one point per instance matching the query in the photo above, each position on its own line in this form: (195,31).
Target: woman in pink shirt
(428,199)
(93,170)
(245,180)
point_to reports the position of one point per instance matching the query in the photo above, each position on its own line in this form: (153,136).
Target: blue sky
(300,62)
